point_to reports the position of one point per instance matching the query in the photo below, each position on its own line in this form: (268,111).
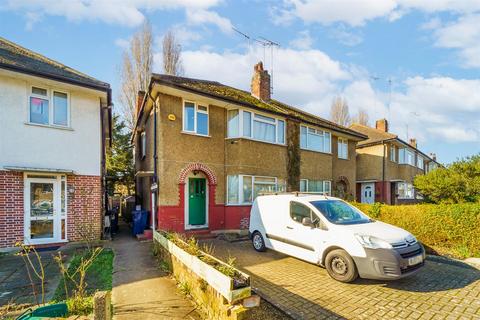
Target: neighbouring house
(204,151)
(387,166)
(54,128)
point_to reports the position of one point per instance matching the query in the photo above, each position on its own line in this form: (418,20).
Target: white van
(332,233)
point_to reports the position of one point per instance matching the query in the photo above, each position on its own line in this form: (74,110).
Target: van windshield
(339,212)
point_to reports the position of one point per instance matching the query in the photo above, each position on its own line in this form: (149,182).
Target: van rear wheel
(340,266)
(258,242)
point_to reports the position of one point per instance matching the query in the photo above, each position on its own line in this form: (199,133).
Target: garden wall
(452,229)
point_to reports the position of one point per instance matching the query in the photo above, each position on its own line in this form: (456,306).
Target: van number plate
(415,260)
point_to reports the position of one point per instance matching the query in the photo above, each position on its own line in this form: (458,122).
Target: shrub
(450,229)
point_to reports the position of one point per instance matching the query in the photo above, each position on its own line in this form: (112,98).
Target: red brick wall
(84,210)
(11,208)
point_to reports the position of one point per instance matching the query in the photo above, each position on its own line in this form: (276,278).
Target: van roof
(297,196)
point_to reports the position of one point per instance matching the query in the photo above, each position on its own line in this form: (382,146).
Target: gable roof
(220,91)
(374,135)
(17,58)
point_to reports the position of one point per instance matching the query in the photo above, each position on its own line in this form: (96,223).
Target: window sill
(51,126)
(196,134)
(343,159)
(256,140)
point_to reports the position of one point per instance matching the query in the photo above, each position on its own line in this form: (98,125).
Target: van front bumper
(389,264)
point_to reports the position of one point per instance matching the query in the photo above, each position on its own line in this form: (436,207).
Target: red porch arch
(212,178)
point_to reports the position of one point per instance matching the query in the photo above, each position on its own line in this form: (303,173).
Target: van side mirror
(307,222)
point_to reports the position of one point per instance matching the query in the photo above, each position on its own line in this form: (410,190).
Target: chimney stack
(433,156)
(382,125)
(140,97)
(413,142)
(260,83)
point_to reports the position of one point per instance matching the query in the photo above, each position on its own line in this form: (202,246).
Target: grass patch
(98,278)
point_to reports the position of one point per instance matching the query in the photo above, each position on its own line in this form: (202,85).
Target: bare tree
(361,117)
(135,72)
(339,111)
(172,51)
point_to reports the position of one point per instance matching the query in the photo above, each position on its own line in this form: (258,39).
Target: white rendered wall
(22,145)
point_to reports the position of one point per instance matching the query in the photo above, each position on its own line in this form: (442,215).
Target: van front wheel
(340,266)
(258,242)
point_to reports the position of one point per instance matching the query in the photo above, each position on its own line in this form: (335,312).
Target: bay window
(243,189)
(405,190)
(342,148)
(195,118)
(406,156)
(241,123)
(320,186)
(420,163)
(315,139)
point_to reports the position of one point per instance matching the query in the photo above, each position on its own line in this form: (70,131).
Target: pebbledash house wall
(216,157)
(77,148)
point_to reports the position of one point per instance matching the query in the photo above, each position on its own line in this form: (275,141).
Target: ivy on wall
(293,155)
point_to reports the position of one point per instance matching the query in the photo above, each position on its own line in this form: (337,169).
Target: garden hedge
(446,229)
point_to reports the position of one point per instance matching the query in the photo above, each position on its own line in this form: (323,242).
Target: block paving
(443,289)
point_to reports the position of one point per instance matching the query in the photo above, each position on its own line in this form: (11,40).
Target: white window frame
(342,147)
(403,156)
(325,184)
(241,200)
(420,162)
(143,144)
(406,186)
(393,153)
(318,132)
(51,106)
(196,111)
(244,135)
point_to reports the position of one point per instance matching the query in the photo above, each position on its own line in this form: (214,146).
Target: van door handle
(288,227)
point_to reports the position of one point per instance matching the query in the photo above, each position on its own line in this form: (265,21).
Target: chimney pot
(382,125)
(260,85)
(140,97)
(413,142)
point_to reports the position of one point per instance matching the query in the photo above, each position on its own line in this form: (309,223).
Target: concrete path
(140,289)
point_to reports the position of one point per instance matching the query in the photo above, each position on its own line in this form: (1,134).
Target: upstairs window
(420,163)
(241,123)
(393,153)
(406,156)
(195,118)
(315,139)
(342,148)
(40,111)
(143,144)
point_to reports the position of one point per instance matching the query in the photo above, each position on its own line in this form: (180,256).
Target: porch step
(145,236)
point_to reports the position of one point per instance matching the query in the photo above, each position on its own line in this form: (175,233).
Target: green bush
(458,182)
(448,229)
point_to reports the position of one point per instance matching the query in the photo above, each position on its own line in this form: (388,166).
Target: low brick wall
(11,208)
(211,302)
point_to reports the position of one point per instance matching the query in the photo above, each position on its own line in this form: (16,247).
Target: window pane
(328,139)
(315,142)
(62,198)
(202,123)
(41,199)
(247,124)
(233,123)
(60,109)
(299,211)
(281,131)
(263,131)
(232,182)
(315,186)
(303,137)
(263,188)
(327,187)
(247,189)
(39,91)
(189,120)
(38,110)
(40,229)
(202,108)
(303,185)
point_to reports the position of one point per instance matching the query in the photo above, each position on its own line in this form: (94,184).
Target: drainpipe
(155,157)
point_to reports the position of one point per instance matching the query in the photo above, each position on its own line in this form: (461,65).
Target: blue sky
(429,50)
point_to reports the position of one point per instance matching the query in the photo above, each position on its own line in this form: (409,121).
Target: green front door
(196,201)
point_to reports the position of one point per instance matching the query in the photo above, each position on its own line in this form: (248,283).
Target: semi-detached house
(54,128)
(204,151)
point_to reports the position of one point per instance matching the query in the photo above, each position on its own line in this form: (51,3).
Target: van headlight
(372,242)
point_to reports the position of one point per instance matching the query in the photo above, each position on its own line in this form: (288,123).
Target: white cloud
(201,17)
(345,37)
(122,43)
(125,12)
(303,41)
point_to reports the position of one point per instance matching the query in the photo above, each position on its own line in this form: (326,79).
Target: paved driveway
(441,290)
